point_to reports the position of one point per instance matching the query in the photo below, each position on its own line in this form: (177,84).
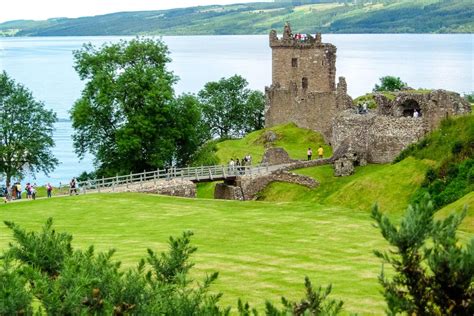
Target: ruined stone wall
(382,134)
(434,105)
(379,138)
(174,187)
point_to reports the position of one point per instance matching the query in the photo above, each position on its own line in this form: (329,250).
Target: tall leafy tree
(230,108)
(126,115)
(26,129)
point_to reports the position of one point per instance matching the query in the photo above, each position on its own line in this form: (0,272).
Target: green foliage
(445,189)
(433,273)
(230,109)
(74,282)
(127,116)
(315,303)
(379,16)
(14,297)
(390,83)
(206,154)
(26,127)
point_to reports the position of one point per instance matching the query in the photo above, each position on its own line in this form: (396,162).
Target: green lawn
(262,250)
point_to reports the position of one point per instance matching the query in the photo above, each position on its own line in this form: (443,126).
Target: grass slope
(293,139)
(466,201)
(389,185)
(262,250)
(378,16)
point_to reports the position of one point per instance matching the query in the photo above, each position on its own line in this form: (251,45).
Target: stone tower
(303,87)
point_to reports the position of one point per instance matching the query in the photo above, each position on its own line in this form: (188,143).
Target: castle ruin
(304,92)
(303,87)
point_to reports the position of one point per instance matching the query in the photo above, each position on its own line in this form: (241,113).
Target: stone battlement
(290,40)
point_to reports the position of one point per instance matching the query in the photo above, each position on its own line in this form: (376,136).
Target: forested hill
(375,16)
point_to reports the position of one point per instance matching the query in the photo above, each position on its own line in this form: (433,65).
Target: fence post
(197,176)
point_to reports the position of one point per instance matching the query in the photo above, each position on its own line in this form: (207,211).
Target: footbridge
(239,182)
(193,174)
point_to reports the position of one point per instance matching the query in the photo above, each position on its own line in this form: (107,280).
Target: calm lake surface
(45,66)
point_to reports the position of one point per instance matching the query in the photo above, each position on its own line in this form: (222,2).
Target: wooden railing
(197,174)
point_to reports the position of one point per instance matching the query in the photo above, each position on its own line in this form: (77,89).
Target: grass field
(262,250)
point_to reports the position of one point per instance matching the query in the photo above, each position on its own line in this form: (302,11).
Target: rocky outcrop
(276,156)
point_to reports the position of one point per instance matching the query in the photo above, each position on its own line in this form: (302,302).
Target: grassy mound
(271,246)
(466,201)
(391,186)
(452,147)
(293,139)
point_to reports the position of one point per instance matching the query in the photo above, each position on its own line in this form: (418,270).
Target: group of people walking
(30,191)
(237,164)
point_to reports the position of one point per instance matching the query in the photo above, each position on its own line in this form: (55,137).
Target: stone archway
(408,107)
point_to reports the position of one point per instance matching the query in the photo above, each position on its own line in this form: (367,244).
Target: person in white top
(416,114)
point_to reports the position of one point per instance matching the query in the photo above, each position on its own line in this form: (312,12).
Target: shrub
(433,272)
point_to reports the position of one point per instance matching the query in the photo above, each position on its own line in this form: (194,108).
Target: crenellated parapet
(300,41)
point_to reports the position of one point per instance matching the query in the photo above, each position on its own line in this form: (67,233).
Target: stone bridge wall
(175,187)
(247,187)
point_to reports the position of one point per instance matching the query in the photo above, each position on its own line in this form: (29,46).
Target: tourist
(249,159)
(33,191)
(28,191)
(49,189)
(320,152)
(18,191)
(364,108)
(416,114)
(72,186)
(5,194)
(309,153)
(231,165)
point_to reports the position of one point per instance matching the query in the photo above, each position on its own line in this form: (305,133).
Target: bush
(72,282)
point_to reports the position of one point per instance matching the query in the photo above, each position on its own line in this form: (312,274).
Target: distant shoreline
(258,18)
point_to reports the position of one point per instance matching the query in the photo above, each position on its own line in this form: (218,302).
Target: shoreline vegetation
(349,17)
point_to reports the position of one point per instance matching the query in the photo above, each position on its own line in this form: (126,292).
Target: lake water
(45,66)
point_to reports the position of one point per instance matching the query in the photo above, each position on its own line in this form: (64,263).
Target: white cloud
(44,9)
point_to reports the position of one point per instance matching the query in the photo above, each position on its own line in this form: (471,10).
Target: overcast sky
(44,9)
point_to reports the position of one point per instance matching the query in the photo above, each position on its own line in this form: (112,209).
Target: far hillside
(440,164)
(376,16)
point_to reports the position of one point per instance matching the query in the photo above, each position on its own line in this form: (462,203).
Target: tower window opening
(304,83)
(294,62)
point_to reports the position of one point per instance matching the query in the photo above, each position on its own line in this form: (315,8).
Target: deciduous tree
(26,129)
(126,116)
(390,83)
(230,108)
